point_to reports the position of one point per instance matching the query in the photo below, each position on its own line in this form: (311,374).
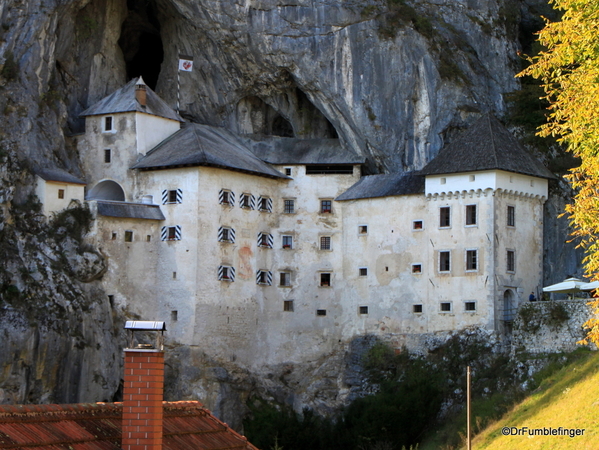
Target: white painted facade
(57,195)
(385,265)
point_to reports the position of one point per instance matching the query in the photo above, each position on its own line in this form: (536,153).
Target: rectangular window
(128,236)
(325,279)
(362,229)
(511,216)
(172,196)
(444,217)
(264,277)
(363,309)
(325,242)
(288,171)
(472,260)
(444,261)
(469,306)
(226,234)
(108,124)
(247,201)
(226,197)
(148,238)
(417,225)
(321,312)
(445,306)
(288,305)
(417,309)
(416,268)
(171,233)
(289,207)
(107,155)
(288,242)
(265,240)
(264,204)
(511,261)
(114,236)
(470,214)
(61,193)
(174,316)
(326,206)
(284,279)
(226,273)
(363,271)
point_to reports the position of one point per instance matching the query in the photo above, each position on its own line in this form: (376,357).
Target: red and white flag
(185,63)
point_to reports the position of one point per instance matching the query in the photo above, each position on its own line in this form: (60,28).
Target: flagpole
(186,65)
(178,87)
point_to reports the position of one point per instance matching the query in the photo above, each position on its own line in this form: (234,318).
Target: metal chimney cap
(144,325)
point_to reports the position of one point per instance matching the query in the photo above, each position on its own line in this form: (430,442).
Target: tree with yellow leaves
(569,71)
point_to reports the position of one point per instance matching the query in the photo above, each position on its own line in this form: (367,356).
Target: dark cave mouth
(141,41)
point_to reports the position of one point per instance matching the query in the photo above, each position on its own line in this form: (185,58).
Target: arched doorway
(107,190)
(509,306)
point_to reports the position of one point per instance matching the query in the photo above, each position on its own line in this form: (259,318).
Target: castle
(268,249)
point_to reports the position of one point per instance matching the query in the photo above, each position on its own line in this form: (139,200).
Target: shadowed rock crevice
(141,42)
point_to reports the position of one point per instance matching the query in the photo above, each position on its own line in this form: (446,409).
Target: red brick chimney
(143,390)
(140,91)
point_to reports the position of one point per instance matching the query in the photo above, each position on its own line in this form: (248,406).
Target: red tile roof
(187,425)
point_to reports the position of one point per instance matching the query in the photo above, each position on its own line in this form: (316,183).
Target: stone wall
(550,327)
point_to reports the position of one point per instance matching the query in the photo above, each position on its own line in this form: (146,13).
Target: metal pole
(178,85)
(468,444)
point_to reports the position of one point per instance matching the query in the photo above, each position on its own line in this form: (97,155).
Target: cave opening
(141,42)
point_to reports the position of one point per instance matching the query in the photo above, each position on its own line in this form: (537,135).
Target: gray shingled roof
(487,145)
(280,150)
(386,185)
(123,100)
(203,145)
(129,210)
(56,174)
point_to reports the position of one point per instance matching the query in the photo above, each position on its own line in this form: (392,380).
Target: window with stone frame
(444,217)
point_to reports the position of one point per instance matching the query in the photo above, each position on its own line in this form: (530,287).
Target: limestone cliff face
(391,79)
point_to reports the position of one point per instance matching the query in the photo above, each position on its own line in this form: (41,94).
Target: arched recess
(509,306)
(107,190)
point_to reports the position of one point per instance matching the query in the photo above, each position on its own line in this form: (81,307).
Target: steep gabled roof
(186,425)
(281,150)
(487,145)
(203,145)
(56,174)
(386,185)
(124,100)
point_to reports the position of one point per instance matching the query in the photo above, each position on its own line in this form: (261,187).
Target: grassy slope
(568,398)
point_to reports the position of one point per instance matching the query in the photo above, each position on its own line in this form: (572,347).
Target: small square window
(362,229)
(416,268)
(265,240)
(511,261)
(174,275)
(325,279)
(264,204)
(363,271)
(128,236)
(444,217)
(174,316)
(472,260)
(417,309)
(61,193)
(288,171)
(326,206)
(284,279)
(442,180)
(470,214)
(470,306)
(226,273)
(288,242)
(108,124)
(444,261)
(226,197)
(417,225)
(262,277)
(321,312)
(246,201)
(107,155)
(148,238)
(288,305)
(325,242)
(511,216)
(172,196)
(363,309)
(289,207)
(472,177)
(114,236)
(445,306)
